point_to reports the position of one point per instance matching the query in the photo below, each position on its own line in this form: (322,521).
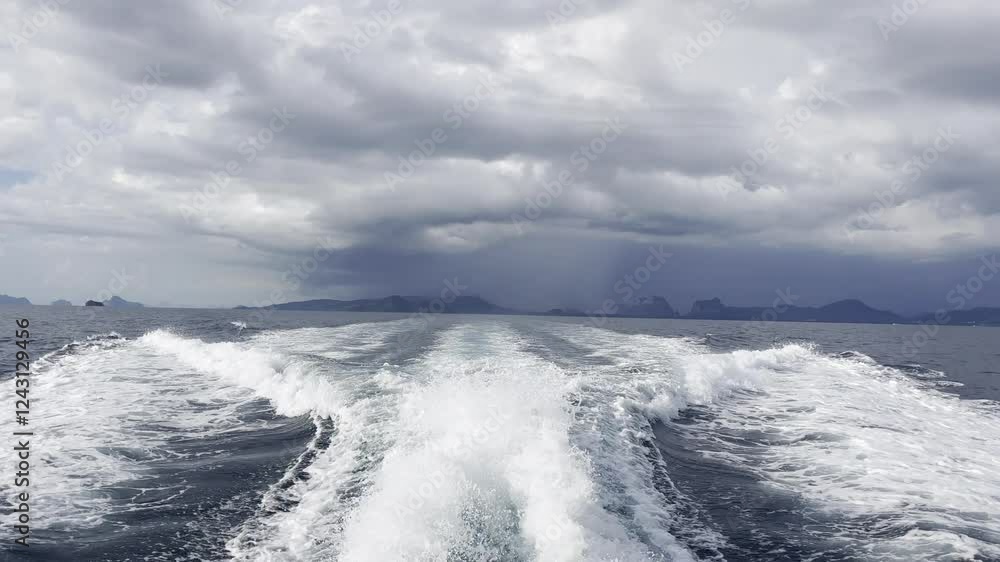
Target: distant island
(396,303)
(982,316)
(641,307)
(4,299)
(115,302)
(118,302)
(649,307)
(849,311)
(846,311)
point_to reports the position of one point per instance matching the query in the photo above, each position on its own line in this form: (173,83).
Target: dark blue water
(202,435)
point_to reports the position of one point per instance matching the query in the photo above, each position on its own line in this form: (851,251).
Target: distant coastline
(6,299)
(849,311)
(113,302)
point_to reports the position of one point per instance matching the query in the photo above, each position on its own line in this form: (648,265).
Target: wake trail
(469,457)
(906,471)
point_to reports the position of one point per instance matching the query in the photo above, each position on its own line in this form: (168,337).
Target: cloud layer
(537,149)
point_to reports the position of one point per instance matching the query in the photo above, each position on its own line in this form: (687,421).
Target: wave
(286,381)
(912,472)
(861,439)
(95,341)
(405,461)
(480,446)
(471,458)
(110,410)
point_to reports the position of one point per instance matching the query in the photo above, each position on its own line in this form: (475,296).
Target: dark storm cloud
(559,274)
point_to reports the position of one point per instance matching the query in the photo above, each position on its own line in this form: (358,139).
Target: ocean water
(164,435)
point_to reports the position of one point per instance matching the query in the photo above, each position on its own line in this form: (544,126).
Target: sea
(210,435)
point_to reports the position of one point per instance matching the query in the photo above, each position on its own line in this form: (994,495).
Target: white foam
(341,472)
(478,449)
(104,410)
(890,445)
(640,379)
(474,461)
(101,415)
(342,343)
(484,467)
(287,382)
(855,437)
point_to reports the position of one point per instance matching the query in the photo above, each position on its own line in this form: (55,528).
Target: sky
(538,153)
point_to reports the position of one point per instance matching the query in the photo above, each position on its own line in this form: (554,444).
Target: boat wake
(500,441)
